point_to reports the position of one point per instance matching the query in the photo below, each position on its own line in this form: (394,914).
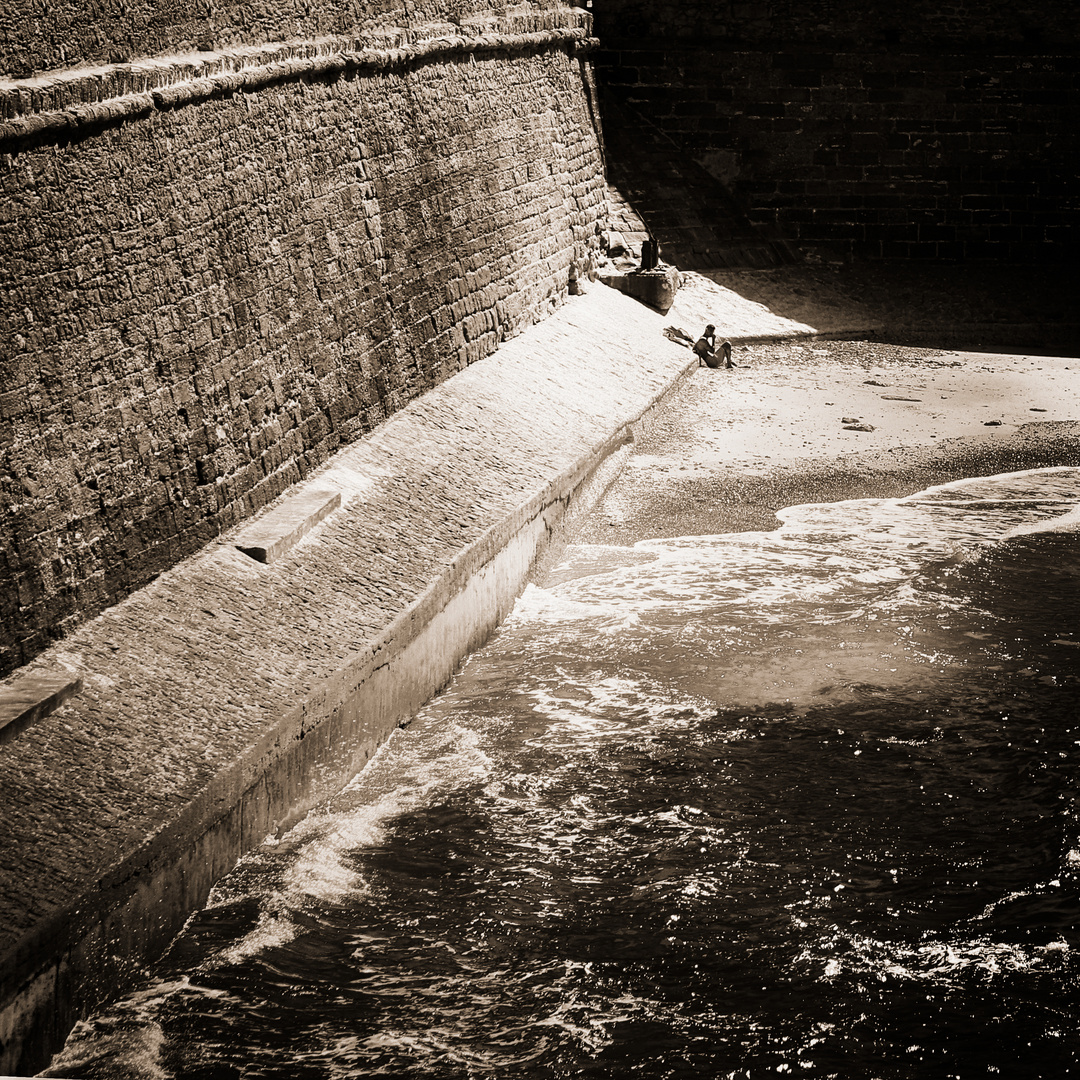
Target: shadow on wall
(655,188)
(935,133)
(659,189)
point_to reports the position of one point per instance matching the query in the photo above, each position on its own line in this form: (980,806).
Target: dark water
(792,803)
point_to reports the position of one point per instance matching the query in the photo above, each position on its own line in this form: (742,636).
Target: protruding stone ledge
(267,539)
(30,697)
(655,287)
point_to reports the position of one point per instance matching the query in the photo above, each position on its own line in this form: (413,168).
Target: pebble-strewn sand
(814,399)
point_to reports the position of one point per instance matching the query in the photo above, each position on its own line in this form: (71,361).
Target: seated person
(705,347)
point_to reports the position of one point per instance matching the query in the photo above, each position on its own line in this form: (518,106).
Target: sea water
(799,802)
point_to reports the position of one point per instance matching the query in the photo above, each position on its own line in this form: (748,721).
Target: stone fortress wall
(235,237)
(925,130)
(218,267)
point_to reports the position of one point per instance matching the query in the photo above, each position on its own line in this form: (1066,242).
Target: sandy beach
(819,418)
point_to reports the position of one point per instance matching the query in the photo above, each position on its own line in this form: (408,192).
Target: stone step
(269,537)
(31,696)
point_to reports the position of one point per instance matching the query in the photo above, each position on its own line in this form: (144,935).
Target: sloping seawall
(229,696)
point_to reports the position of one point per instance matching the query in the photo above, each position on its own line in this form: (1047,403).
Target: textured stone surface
(203,302)
(656,287)
(75,33)
(31,696)
(268,538)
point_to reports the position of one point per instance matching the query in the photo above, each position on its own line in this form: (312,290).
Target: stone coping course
(29,697)
(52,105)
(290,521)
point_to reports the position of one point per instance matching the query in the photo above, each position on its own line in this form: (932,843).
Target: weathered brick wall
(924,130)
(201,302)
(39,36)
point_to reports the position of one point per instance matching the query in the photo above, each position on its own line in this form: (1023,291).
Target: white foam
(931,962)
(1067,522)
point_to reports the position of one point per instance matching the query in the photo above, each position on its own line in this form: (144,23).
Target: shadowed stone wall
(926,130)
(217,269)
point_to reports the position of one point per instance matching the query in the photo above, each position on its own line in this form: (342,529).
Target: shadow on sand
(964,307)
